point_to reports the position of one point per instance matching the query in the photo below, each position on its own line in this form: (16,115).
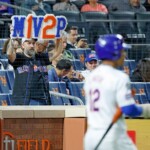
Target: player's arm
(132,110)
(11,51)
(126,101)
(142,110)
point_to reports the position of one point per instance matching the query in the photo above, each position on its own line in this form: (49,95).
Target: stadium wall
(55,128)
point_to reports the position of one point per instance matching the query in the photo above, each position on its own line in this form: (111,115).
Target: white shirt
(85,73)
(105,89)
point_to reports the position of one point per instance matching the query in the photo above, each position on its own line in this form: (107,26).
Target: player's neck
(108,62)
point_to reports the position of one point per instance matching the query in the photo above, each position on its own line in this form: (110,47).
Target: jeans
(37,102)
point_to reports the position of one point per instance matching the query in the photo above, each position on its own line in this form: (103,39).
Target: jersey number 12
(94,98)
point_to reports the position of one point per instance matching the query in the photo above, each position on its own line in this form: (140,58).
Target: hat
(90,57)
(25,39)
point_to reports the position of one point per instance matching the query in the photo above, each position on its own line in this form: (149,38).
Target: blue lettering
(61,24)
(18,24)
(37,25)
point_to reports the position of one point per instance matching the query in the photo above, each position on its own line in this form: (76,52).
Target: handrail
(17,7)
(67,96)
(117,20)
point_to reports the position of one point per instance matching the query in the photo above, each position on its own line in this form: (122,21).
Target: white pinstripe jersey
(105,89)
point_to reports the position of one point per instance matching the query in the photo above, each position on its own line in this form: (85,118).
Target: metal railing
(67,96)
(17,7)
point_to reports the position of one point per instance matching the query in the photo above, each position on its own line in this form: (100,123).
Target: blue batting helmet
(108,47)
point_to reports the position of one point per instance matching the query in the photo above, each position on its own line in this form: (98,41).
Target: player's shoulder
(122,76)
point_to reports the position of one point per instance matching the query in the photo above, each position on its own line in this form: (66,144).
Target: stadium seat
(141,98)
(5,99)
(80,53)
(10,78)
(78,3)
(72,16)
(129,64)
(143,26)
(139,87)
(61,88)
(148,90)
(76,89)
(77,65)
(2,41)
(97,24)
(4,87)
(138,51)
(74,19)
(121,23)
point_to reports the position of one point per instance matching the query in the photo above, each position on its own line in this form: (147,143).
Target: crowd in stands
(35,63)
(41,7)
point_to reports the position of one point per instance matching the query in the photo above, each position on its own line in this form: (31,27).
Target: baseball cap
(25,39)
(90,57)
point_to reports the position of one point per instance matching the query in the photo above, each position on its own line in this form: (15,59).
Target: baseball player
(106,89)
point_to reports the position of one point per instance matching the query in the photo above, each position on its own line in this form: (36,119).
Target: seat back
(129,65)
(138,52)
(72,16)
(5,99)
(97,24)
(55,100)
(4,87)
(63,89)
(139,87)
(10,78)
(148,90)
(141,98)
(122,26)
(80,53)
(77,65)
(76,89)
(143,26)
(59,87)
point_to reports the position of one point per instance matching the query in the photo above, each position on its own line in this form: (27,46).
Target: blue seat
(10,78)
(55,100)
(2,41)
(140,88)
(63,89)
(77,65)
(141,99)
(148,90)
(59,87)
(5,99)
(130,64)
(76,89)
(80,53)
(4,87)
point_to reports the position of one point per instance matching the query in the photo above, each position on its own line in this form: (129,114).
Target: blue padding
(132,110)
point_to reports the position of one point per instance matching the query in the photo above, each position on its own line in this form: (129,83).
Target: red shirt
(99,7)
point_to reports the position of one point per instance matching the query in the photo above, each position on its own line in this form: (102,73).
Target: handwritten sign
(41,27)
